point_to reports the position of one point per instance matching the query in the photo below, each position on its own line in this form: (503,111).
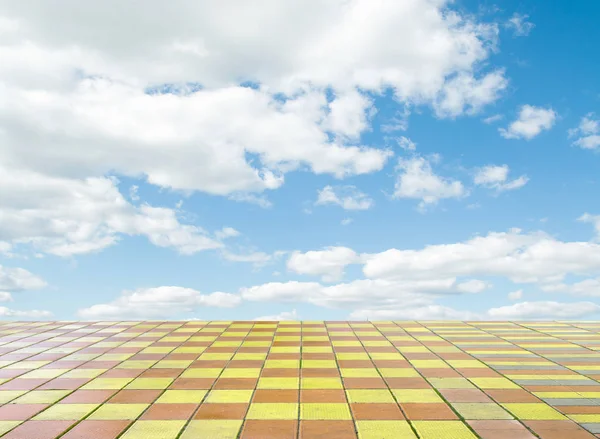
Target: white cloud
(493,118)
(531,122)
(586,287)
(496,177)
(5,296)
(521,257)
(70,90)
(416,179)
(587,133)
(464,93)
(133,193)
(19,279)
(158,302)
(515,295)
(519,25)
(258,259)
(347,197)
(282,316)
(64,217)
(429,312)
(259,200)
(33,314)
(328,263)
(594,220)
(227,232)
(361,293)
(346,221)
(544,310)
(405,143)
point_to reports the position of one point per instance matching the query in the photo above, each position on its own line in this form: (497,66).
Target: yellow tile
(466,364)
(286,349)
(451,383)
(44,373)
(84,373)
(283,364)
(9,395)
(352,356)
(397,372)
(325,411)
(384,430)
(150,383)
(241,372)
(201,372)
(212,429)
(429,364)
(494,383)
(330,364)
(481,411)
(182,396)
(273,411)
(65,412)
(113,412)
(533,411)
(107,383)
(172,364)
(443,429)
(136,364)
(315,349)
(226,396)
(321,383)
(366,372)
(369,395)
(6,426)
(416,395)
(249,356)
(591,418)
(154,430)
(42,397)
(278,383)
(386,356)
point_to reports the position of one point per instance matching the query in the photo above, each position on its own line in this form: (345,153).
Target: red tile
(323,395)
(280,372)
(236,383)
(511,395)
(221,411)
(161,373)
(329,372)
(428,412)
(364,383)
(464,395)
(275,395)
(97,430)
(20,412)
(39,430)
(376,411)
(269,429)
(407,383)
(130,396)
(192,383)
(23,384)
(169,412)
(88,397)
(64,384)
(327,430)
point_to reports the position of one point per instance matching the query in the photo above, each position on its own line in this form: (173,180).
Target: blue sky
(435,160)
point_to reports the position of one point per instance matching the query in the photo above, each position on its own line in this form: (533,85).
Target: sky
(299,160)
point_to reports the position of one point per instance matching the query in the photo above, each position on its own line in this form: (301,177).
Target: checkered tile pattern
(299,380)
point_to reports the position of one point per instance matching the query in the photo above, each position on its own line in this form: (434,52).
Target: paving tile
(327,430)
(269,429)
(97,430)
(38,430)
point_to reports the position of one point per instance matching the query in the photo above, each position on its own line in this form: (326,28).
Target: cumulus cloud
(493,118)
(33,314)
(282,316)
(496,177)
(515,295)
(19,279)
(587,132)
(416,179)
(328,263)
(347,197)
(531,122)
(68,216)
(544,310)
(155,303)
(519,25)
(405,143)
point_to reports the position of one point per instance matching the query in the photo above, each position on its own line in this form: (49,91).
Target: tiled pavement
(303,380)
